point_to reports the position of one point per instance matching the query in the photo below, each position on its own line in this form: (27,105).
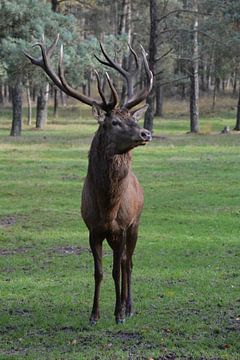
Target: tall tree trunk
(149,115)
(237,126)
(1,94)
(55,4)
(148,120)
(33,93)
(5,92)
(41,114)
(63,97)
(89,84)
(159,100)
(125,28)
(17,109)
(84,89)
(125,19)
(29,101)
(234,90)
(10,90)
(218,82)
(55,103)
(223,85)
(214,98)
(194,88)
(183,91)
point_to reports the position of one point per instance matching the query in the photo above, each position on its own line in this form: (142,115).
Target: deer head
(119,122)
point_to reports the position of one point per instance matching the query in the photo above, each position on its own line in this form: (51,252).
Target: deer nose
(145,135)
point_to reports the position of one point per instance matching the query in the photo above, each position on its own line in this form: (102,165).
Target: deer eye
(115,122)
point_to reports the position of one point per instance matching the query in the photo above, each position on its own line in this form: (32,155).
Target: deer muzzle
(145,136)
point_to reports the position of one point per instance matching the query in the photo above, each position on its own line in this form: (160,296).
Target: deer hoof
(120,321)
(129,314)
(93,322)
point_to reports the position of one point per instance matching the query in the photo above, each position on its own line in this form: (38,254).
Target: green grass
(186,265)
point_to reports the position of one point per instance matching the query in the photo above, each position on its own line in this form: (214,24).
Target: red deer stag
(112,199)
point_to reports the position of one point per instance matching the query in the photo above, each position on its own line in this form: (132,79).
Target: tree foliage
(82,23)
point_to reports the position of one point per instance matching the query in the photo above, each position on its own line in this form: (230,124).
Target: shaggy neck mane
(108,172)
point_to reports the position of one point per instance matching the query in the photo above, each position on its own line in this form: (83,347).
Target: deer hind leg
(96,247)
(131,241)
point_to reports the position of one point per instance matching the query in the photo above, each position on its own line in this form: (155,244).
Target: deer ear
(138,113)
(98,113)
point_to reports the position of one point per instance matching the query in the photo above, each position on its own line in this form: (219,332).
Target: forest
(193,51)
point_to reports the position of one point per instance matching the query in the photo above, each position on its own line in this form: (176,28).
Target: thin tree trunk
(1,94)
(214,95)
(17,110)
(204,77)
(89,85)
(41,114)
(237,126)
(218,81)
(194,89)
(34,94)
(159,100)
(63,97)
(55,105)
(148,120)
(149,115)
(55,5)
(5,92)
(10,90)
(125,28)
(84,89)
(125,17)
(183,91)
(29,101)
(223,86)
(234,90)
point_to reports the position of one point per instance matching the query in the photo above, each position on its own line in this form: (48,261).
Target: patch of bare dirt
(5,252)
(70,250)
(8,221)
(158,137)
(70,177)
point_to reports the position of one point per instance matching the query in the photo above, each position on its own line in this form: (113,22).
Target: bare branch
(165,54)
(177,11)
(173,80)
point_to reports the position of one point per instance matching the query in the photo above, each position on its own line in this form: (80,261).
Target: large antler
(60,81)
(132,100)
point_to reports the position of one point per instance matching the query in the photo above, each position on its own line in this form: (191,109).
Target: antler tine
(59,80)
(144,93)
(44,64)
(100,88)
(33,60)
(43,60)
(136,58)
(114,101)
(114,65)
(52,47)
(147,69)
(68,89)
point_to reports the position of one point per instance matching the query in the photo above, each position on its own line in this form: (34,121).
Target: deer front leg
(117,243)
(96,247)
(131,240)
(124,287)
(119,311)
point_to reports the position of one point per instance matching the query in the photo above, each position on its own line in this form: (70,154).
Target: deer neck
(108,172)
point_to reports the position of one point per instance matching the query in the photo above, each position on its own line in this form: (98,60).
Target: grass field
(186,265)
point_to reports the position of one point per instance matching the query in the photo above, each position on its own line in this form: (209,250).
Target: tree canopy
(209,50)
